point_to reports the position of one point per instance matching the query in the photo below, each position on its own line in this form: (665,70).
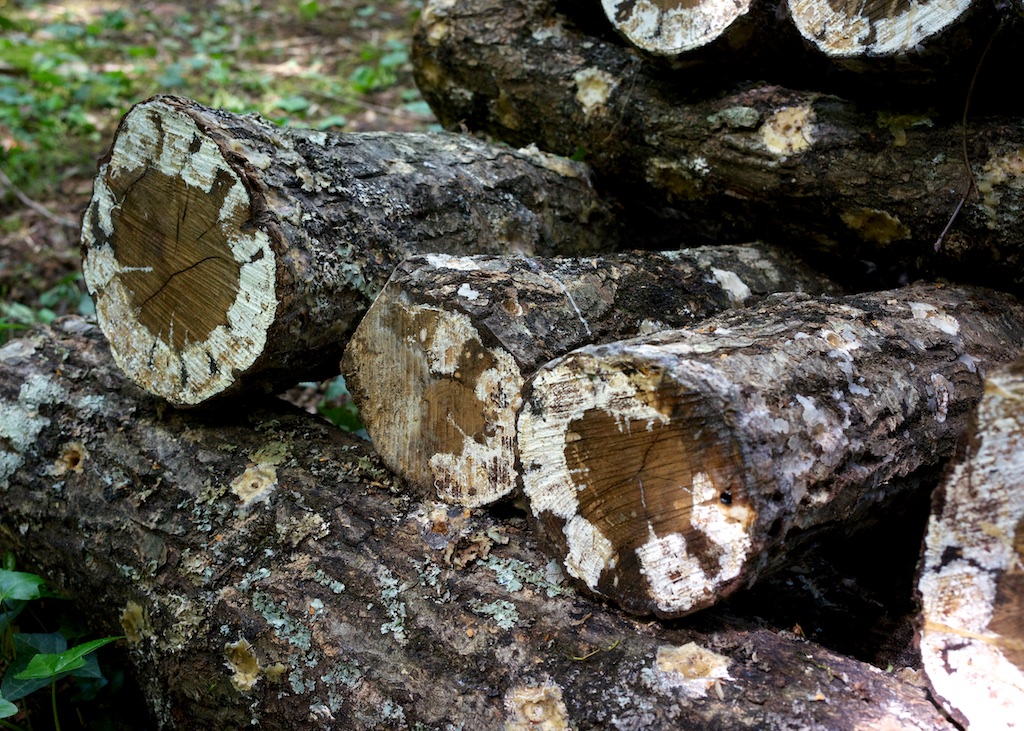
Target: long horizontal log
(226,253)
(437,364)
(266,573)
(971,582)
(844,182)
(669,471)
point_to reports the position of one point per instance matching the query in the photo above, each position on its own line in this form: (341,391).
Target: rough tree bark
(225,252)
(670,470)
(437,364)
(265,572)
(971,582)
(844,182)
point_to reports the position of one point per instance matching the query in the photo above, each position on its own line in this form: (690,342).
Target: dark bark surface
(265,571)
(437,364)
(672,469)
(846,183)
(226,253)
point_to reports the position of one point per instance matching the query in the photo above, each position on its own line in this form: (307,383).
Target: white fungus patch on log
(789,131)
(689,669)
(243,663)
(536,708)
(1002,172)
(136,623)
(593,88)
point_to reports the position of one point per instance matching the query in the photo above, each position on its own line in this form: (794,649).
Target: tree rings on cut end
(971,581)
(439,405)
(672,27)
(636,481)
(840,28)
(184,283)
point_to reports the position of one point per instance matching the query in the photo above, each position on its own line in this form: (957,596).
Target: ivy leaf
(19,585)
(48,665)
(7,709)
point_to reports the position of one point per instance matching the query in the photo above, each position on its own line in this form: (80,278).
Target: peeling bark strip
(671,27)
(820,172)
(972,574)
(266,574)
(226,253)
(669,471)
(437,363)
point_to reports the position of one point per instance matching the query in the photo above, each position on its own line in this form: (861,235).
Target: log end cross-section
(437,401)
(841,28)
(642,485)
(673,27)
(972,573)
(184,283)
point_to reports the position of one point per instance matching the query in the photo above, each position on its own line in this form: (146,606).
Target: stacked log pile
(226,253)
(676,425)
(455,338)
(266,570)
(845,180)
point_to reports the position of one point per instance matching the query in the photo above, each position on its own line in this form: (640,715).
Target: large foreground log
(845,181)
(972,574)
(668,471)
(265,573)
(437,364)
(225,252)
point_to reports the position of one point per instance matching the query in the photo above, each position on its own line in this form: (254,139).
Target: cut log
(266,574)
(672,27)
(971,583)
(874,28)
(226,253)
(437,363)
(843,181)
(668,471)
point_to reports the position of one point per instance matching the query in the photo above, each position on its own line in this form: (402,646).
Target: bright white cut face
(200,368)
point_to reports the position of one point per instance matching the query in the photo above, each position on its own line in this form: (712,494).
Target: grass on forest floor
(70,70)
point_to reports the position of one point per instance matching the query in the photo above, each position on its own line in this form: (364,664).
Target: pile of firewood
(679,417)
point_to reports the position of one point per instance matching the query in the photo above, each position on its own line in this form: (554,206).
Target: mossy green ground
(70,70)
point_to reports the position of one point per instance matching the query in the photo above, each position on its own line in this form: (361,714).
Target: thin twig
(972,183)
(37,207)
